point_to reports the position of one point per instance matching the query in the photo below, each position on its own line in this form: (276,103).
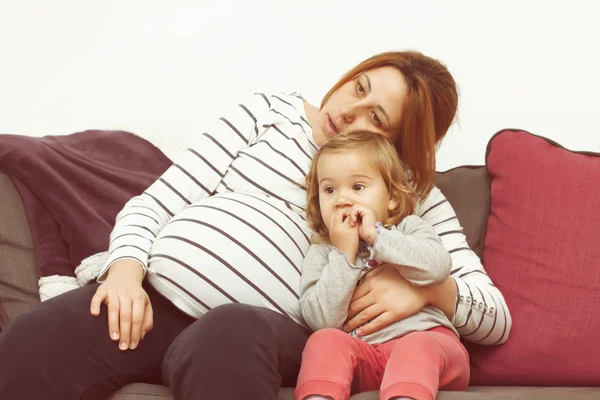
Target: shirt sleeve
(194,175)
(326,287)
(416,250)
(481,314)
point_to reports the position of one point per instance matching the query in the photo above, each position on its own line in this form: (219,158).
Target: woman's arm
(327,283)
(469,298)
(443,297)
(194,175)
(480,311)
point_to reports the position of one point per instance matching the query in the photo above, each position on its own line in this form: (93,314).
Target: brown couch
(467,189)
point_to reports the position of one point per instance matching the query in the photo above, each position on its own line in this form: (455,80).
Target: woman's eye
(360,89)
(358,187)
(375,118)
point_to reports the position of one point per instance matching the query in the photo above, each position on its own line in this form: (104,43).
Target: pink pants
(337,365)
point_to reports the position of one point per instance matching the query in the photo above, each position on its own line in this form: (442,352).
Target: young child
(359,203)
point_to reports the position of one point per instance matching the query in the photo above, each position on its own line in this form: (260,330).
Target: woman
(224,225)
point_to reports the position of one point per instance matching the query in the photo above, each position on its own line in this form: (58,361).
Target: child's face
(348,179)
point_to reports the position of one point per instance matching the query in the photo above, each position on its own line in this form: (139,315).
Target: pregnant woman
(200,290)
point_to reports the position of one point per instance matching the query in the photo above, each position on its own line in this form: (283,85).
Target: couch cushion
(18,274)
(144,391)
(508,393)
(542,250)
(467,188)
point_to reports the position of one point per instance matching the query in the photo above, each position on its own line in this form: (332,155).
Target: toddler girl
(359,204)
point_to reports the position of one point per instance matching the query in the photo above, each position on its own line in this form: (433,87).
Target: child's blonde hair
(385,159)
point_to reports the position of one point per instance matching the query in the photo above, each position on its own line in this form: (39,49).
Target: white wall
(161,69)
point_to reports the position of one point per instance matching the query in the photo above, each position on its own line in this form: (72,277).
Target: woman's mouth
(331,128)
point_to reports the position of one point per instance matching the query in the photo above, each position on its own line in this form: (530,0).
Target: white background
(161,69)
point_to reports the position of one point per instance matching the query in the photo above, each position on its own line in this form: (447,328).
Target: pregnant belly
(231,248)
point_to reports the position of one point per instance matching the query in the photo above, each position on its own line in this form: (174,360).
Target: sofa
(532,214)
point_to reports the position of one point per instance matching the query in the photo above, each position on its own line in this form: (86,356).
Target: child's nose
(343,201)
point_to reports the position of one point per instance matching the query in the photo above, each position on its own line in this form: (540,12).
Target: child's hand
(366,219)
(343,235)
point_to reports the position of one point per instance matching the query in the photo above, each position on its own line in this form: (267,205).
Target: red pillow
(542,250)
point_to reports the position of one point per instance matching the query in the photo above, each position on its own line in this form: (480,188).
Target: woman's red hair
(427,113)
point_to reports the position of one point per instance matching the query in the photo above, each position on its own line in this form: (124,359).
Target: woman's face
(371,101)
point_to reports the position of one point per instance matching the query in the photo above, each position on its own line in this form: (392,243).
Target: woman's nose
(351,112)
(347,115)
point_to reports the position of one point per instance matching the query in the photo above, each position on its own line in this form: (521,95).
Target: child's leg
(422,362)
(331,359)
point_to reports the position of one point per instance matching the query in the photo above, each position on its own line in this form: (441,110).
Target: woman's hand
(129,308)
(382,299)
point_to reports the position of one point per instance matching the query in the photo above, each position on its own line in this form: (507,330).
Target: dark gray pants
(59,351)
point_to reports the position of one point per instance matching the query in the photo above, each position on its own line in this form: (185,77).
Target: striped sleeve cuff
(479,316)
(462,309)
(124,253)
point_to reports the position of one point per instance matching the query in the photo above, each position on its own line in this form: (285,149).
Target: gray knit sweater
(329,279)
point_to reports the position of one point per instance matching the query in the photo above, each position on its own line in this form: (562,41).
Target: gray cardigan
(329,279)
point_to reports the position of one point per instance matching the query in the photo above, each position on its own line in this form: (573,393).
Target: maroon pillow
(542,250)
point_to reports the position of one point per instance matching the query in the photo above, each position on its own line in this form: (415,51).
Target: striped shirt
(481,314)
(225,223)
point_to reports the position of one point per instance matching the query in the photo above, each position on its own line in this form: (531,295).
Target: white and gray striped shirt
(225,223)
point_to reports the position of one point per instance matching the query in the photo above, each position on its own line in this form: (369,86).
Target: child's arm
(326,287)
(416,250)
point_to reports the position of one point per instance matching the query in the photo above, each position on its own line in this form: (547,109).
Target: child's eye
(329,190)
(358,186)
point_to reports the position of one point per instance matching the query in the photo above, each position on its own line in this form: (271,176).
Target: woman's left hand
(382,299)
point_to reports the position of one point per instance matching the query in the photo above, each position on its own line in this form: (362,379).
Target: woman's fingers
(363,317)
(125,322)
(137,320)
(376,324)
(113,306)
(128,306)
(365,288)
(97,300)
(359,305)
(148,320)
